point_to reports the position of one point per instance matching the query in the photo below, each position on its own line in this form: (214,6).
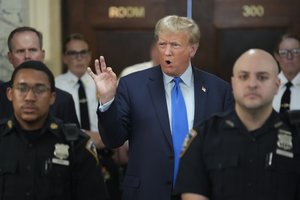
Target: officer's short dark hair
(24,29)
(36,65)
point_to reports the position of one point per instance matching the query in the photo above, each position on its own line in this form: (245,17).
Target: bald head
(258,58)
(255,81)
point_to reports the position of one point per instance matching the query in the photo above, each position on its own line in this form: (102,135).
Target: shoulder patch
(91,147)
(188,140)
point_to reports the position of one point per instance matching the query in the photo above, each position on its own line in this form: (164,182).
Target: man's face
(255,82)
(31,98)
(175,52)
(25,46)
(77,57)
(288,57)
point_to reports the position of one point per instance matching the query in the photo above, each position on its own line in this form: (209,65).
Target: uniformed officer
(249,153)
(41,158)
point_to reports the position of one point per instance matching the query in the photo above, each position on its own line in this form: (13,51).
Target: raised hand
(105,80)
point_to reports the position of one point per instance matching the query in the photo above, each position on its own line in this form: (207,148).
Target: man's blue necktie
(179,123)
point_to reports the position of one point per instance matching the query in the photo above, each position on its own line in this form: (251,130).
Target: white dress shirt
(295,92)
(187,89)
(136,68)
(69,83)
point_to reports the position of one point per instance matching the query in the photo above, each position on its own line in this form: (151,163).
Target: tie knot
(80,82)
(177,80)
(288,85)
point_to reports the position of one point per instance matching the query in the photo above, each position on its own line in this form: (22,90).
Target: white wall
(40,14)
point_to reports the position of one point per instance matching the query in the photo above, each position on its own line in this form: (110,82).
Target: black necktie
(84,114)
(286,98)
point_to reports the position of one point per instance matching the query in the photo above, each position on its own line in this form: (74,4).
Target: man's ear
(193,50)
(53,97)
(9,93)
(9,57)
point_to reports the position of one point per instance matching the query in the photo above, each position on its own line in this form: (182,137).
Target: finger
(109,69)
(102,63)
(90,72)
(97,68)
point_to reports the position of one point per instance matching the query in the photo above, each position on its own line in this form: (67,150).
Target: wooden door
(122,30)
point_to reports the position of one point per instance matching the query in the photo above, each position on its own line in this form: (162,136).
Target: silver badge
(284,140)
(284,144)
(61,152)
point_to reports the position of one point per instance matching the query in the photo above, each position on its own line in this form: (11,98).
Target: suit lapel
(200,96)
(158,98)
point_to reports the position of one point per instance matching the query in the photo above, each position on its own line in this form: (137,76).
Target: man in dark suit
(140,109)
(26,43)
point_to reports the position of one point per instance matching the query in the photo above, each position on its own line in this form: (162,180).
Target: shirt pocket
(283,177)
(8,172)
(224,174)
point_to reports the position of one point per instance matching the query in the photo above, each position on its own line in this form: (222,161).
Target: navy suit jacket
(63,107)
(139,114)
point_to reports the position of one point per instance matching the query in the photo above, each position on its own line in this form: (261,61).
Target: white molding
(45,16)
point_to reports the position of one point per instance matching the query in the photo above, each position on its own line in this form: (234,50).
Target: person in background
(77,57)
(287,54)
(26,43)
(76,81)
(250,153)
(42,158)
(155,108)
(154,55)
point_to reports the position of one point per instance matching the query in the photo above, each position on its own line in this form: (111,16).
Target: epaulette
(5,126)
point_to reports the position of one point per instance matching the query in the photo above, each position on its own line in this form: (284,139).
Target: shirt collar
(72,78)
(186,77)
(283,79)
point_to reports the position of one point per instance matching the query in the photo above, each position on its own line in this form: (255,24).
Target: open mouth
(168,62)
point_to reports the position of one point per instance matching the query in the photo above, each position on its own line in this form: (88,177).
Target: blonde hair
(174,23)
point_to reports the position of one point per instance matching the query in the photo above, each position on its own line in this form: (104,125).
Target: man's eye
(262,78)
(39,89)
(242,77)
(22,88)
(32,50)
(20,51)
(175,45)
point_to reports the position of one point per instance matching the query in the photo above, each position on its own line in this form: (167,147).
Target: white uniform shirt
(68,83)
(295,92)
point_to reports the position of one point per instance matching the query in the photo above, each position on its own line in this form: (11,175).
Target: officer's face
(31,98)
(255,81)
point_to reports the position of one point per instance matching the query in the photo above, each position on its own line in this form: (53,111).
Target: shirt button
(28,167)
(28,194)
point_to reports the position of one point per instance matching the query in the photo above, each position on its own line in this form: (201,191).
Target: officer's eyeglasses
(38,89)
(287,52)
(77,54)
